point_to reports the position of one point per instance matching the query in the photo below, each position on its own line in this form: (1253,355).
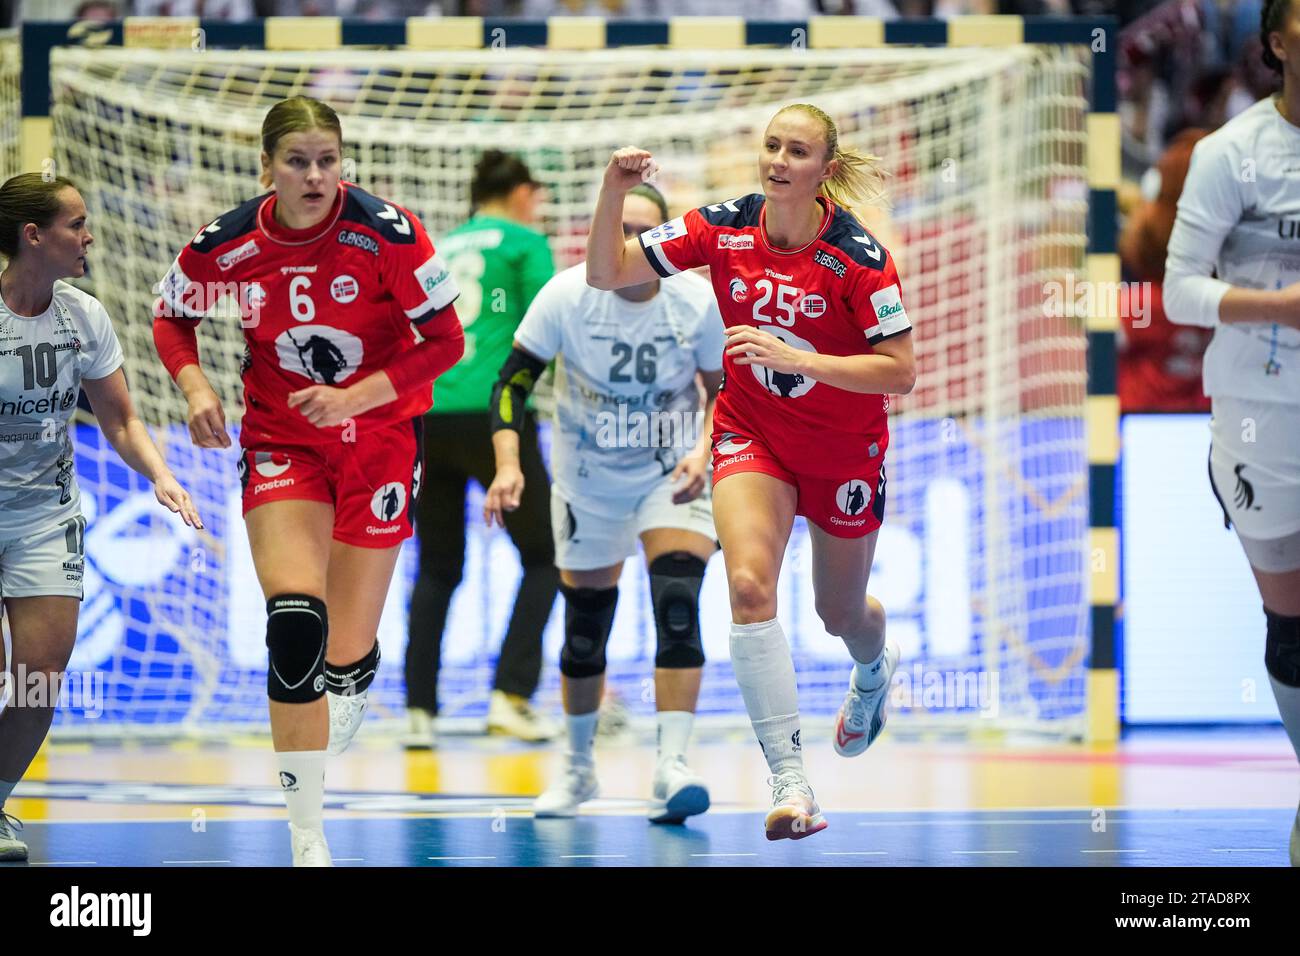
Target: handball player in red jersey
(348,319)
(817,338)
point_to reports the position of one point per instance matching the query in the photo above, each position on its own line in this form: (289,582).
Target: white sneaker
(678,792)
(309,847)
(794,814)
(512,715)
(563,797)
(12,849)
(346,711)
(421,731)
(863,714)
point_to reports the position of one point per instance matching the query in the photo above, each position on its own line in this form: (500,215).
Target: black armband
(514,383)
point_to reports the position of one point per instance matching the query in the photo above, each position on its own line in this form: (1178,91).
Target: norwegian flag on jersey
(838,295)
(327,305)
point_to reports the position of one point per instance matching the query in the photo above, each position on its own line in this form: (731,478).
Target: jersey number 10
(39,368)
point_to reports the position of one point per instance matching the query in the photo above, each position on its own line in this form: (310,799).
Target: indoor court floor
(1158,798)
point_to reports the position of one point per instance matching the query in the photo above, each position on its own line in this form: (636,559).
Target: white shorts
(48,562)
(1255,468)
(586,539)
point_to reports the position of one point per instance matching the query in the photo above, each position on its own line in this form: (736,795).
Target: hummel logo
(401,225)
(794,739)
(873,250)
(288,780)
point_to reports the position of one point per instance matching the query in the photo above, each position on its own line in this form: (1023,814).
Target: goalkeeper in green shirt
(499,262)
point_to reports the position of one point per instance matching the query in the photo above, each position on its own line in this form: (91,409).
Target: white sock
(1288,705)
(870,675)
(302,780)
(582,732)
(6,788)
(760,657)
(674,732)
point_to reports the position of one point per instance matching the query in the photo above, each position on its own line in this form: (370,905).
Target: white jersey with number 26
(627,403)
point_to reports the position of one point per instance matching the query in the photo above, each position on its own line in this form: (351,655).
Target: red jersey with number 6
(838,295)
(321,306)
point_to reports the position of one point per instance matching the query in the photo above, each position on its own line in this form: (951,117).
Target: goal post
(999,553)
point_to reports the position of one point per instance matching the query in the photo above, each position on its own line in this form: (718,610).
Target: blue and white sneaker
(863,714)
(678,792)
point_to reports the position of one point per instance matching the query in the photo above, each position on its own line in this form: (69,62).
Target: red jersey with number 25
(321,306)
(839,295)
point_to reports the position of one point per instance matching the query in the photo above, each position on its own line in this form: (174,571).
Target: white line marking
(1247,849)
(196,861)
(1111,821)
(67,863)
(1112,851)
(460,858)
(593,856)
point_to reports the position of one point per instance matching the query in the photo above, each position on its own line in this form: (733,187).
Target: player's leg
(841,568)
(1280,590)
(519,666)
(590,550)
(753,513)
(290,541)
(356,589)
(440,521)
(1255,474)
(676,559)
(43,629)
(590,598)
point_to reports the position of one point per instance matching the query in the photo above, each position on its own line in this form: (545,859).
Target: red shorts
(371,482)
(848,506)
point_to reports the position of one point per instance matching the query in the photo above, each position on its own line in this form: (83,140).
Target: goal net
(981,562)
(10,102)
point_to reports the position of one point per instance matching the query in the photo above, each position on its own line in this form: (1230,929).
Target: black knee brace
(296,629)
(675,581)
(353,678)
(1282,648)
(588,617)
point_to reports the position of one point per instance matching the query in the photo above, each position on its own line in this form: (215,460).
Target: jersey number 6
(301,307)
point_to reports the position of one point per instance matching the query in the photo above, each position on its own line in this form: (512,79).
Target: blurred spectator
(97,10)
(1159,362)
(208,9)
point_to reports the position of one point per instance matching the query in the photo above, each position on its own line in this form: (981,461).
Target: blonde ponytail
(859,178)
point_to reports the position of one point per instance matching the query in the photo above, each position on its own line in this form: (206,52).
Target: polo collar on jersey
(299,237)
(776,250)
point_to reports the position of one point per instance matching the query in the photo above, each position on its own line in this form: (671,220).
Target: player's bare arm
(889,370)
(115,411)
(612,261)
(692,471)
(518,377)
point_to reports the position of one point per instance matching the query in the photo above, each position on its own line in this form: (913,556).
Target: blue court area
(489,831)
